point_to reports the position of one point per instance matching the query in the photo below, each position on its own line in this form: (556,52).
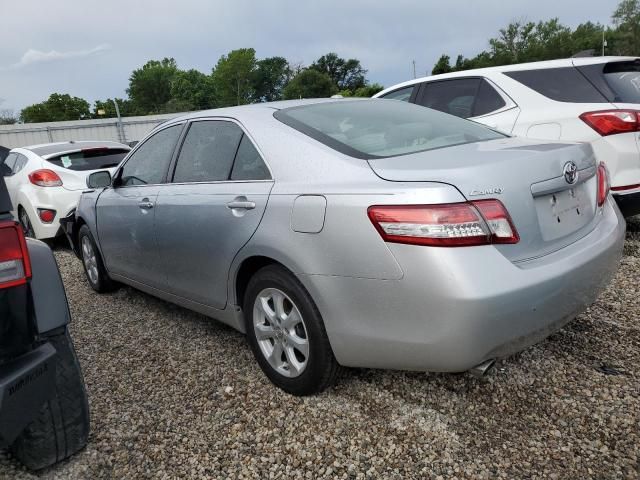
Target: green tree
(107,106)
(233,77)
(8,117)
(150,86)
(368,91)
(310,83)
(270,77)
(345,74)
(58,107)
(442,65)
(192,90)
(626,17)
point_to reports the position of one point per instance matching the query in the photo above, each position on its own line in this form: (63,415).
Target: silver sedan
(355,233)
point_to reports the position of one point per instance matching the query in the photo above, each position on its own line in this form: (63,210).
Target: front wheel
(287,334)
(92,262)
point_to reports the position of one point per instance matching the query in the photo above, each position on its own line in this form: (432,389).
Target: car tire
(62,425)
(281,355)
(92,262)
(25,223)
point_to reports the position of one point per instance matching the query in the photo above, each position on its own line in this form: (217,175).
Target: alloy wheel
(90,260)
(281,332)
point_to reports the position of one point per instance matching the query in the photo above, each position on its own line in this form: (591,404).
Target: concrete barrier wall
(132,129)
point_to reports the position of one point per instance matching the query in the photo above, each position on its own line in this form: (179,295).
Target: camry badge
(570,171)
(487,191)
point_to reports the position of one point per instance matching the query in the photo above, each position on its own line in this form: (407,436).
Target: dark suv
(44,414)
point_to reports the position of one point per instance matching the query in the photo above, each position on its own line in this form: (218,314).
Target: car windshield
(90,159)
(624,79)
(382,128)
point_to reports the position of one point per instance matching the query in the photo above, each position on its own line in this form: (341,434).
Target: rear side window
(90,159)
(565,84)
(208,151)
(150,162)
(20,163)
(455,97)
(7,165)
(403,94)
(488,100)
(248,164)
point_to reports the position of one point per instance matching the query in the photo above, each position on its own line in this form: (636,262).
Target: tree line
(522,42)
(238,78)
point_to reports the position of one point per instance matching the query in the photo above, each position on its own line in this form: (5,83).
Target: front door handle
(146,205)
(241,204)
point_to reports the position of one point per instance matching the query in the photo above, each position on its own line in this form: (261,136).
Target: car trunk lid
(527,177)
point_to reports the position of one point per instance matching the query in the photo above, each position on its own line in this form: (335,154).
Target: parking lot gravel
(175,395)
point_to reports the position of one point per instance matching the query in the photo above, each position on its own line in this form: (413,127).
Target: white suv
(593,99)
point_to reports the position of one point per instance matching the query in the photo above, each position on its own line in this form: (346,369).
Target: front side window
(149,163)
(208,151)
(565,84)
(378,128)
(403,94)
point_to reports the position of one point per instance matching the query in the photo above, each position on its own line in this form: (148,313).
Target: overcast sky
(88,48)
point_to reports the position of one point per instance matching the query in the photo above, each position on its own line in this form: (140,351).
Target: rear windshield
(90,159)
(382,128)
(623,78)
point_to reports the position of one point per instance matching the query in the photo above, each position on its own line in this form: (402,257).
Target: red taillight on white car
(603,184)
(15,266)
(45,178)
(611,122)
(482,222)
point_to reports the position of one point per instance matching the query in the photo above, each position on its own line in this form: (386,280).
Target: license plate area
(564,212)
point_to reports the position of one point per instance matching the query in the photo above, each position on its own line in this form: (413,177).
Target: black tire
(62,426)
(102,283)
(321,369)
(25,223)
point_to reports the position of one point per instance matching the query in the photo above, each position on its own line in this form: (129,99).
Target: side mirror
(100,179)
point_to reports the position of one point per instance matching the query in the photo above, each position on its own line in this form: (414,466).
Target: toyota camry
(355,233)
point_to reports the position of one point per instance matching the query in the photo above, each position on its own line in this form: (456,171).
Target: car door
(125,211)
(210,210)
(473,98)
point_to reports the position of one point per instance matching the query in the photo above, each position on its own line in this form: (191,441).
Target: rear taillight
(611,122)
(603,184)
(45,178)
(482,222)
(15,267)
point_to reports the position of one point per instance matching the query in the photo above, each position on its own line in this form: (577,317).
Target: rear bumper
(629,203)
(455,308)
(59,199)
(26,383)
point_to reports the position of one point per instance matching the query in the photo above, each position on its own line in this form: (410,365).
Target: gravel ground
(174,395)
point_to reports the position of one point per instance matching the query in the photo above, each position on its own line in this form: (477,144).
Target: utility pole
(414,68)
(119,126)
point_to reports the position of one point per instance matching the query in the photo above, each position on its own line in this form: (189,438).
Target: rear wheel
(62,426)
(287,334)
(27,227)
(92,261)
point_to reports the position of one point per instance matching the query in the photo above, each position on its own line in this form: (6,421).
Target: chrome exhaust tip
(483,368)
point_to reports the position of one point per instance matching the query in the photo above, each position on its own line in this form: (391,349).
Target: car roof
(248,110)
(563,62)
(48,149)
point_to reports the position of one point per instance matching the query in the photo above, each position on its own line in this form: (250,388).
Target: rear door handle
(146,205)
(241,204)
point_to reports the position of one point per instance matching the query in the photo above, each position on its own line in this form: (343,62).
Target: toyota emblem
(570,171)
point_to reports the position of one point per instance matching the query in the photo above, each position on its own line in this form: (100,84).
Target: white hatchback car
(45,181)
(594,99)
